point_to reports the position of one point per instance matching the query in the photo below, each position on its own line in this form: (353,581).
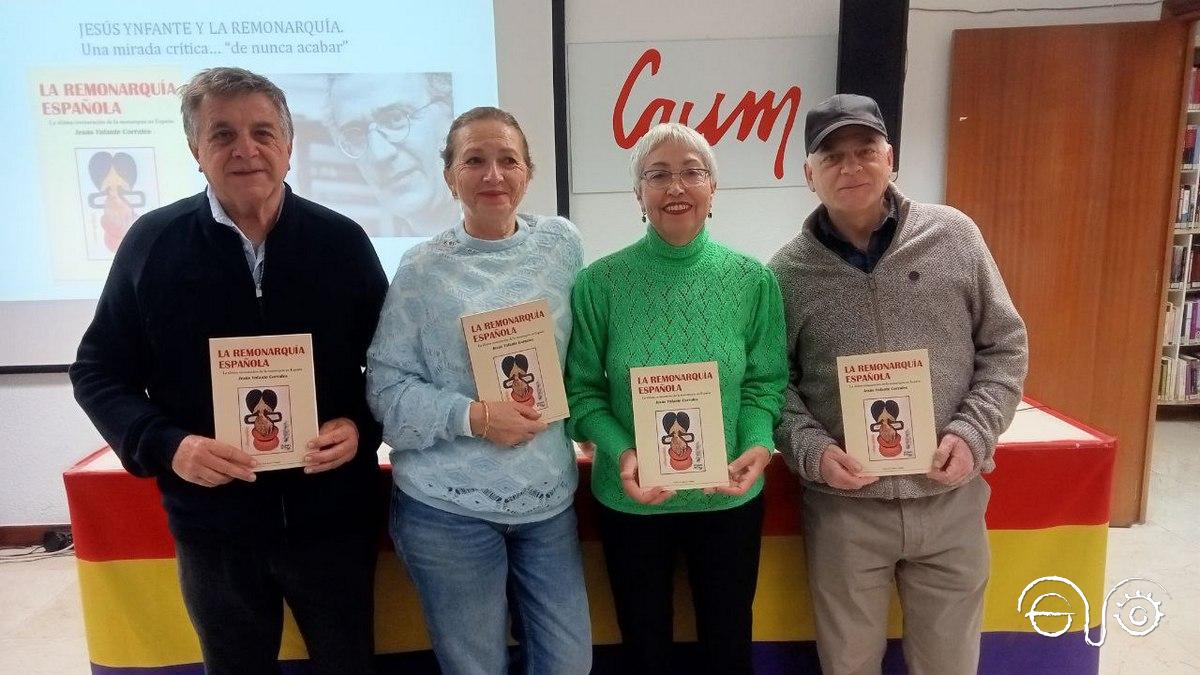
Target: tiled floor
(41,625)
(1165,550)
(41,628)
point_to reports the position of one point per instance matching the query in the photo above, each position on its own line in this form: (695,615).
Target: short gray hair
(227,82)
(673,132)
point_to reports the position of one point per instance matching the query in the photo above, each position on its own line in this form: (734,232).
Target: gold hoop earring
(643,216)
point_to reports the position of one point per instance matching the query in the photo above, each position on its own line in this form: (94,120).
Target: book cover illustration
(890,428)
(678,426)
(119,184)
(268,420)
(264,396)
(887,411)
(682,443)
(108,149)
(514,358)
(520,376)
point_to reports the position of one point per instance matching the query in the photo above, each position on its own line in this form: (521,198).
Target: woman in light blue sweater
(483,500)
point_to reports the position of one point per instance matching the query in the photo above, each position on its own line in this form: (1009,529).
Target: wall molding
(27,535)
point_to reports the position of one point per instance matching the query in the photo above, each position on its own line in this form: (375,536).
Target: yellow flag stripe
(134,614)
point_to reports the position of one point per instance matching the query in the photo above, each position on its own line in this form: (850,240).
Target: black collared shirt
(881,238)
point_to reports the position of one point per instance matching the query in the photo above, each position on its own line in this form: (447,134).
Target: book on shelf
(1189,366)
(1184,329)
(514,358)
(1194,275)
(887,411)
(679,427)
(1189,144)
(1179,378)
(1169,323)
(264,396)
(1179,391)
(1177,252)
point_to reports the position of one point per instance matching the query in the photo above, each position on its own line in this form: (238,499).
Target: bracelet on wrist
(487,420)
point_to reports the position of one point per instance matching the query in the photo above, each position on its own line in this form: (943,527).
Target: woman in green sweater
(676,296)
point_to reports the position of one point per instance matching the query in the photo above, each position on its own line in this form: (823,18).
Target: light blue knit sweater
(419,382)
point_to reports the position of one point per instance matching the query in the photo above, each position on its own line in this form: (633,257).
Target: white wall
(753,220)
(42,431)
(524,31)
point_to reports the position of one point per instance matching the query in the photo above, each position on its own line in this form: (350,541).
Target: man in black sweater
(246,257)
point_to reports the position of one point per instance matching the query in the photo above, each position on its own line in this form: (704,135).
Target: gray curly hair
(225,82)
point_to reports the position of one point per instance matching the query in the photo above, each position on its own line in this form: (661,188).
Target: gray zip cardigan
(936,287)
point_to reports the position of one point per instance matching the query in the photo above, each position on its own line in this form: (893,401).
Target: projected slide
(94,138)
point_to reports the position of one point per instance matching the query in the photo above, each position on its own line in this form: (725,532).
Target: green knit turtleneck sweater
(654,304)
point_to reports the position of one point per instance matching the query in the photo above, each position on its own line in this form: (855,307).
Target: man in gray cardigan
(872,271)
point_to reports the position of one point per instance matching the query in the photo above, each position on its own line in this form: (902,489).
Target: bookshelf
(1179,365)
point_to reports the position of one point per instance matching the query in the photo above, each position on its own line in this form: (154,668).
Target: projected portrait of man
(393,125)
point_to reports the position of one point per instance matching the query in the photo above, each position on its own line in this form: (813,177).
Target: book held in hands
(264,396)
(887,411)
(514,357)
(679,429)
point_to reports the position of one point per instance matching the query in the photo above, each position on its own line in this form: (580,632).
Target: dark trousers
(234,596)
(721,551)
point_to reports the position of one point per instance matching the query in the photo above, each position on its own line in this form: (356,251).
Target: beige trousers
(936,551)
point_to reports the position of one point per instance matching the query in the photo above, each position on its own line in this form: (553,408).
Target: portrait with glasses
(368,145)
(392,126)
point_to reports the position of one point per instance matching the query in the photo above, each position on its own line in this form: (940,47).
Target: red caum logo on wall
(755,112)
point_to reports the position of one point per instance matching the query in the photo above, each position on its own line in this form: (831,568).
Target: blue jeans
(466,569)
